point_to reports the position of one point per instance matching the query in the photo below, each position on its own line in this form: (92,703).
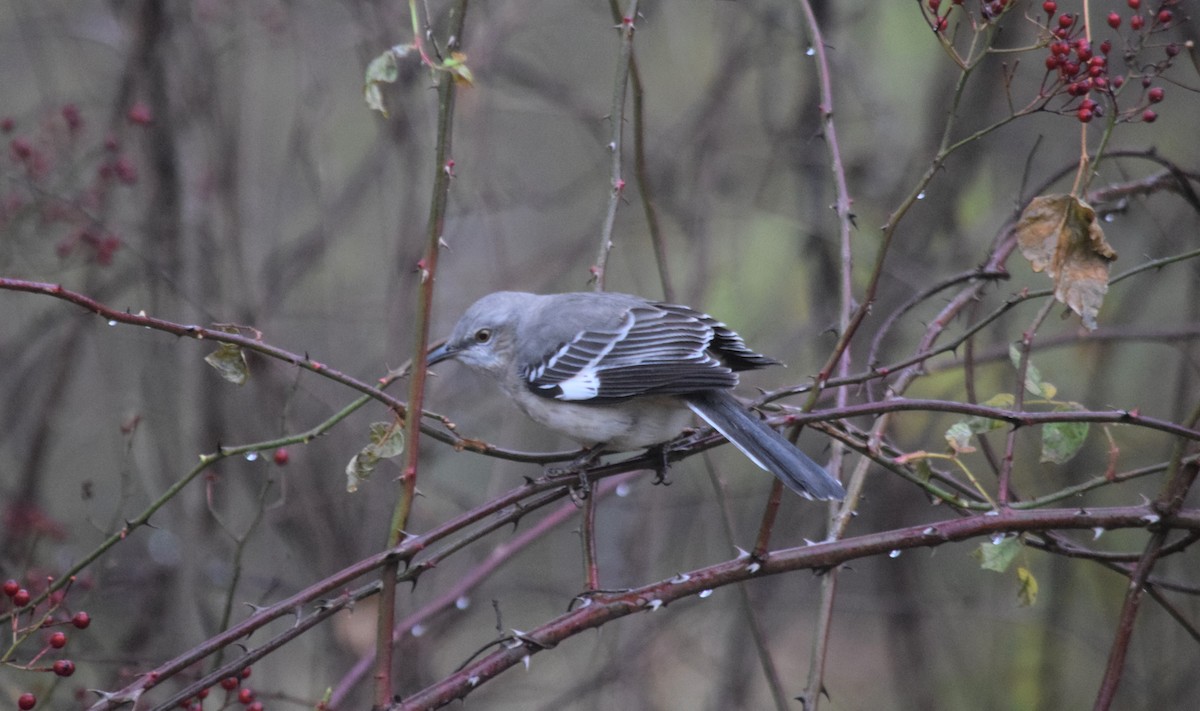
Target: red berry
(71,115)
(246,673)
(21,598)
(64,667)
(81,620)
(1106,46)
(1155,95)
(1136,22)
(935,4)
(125,170)
(1065,20)
(1084,115)
(140,114)
(58,640)
(1052,61)
(7,124)
(256,706)
(21,148)
(1114,20)
(1149,116)
(1050,7)
(229,683)
(1135,4)
(1100,83)
(246,695)
(1165,17)
(1083,50)
(11,587)
(1060,47)
(1172,49)
(26,701)
(1118,81)
(941,25)
(281,456)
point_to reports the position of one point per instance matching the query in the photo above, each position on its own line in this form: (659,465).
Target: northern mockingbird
(619,372)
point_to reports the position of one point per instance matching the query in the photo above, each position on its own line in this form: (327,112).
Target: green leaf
(1000,401)
(387,441)
(387,438)
(998,555)
(1033,377)
(457,66)
(1061,441)
(381,70)
(959,434)
(230,362)
(1027,593)
(959,438)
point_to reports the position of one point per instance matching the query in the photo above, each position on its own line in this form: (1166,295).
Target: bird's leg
(658,453)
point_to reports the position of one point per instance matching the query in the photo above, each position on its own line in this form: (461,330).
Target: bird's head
(484,338)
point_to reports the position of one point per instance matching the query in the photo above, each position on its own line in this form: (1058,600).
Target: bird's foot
(579,466)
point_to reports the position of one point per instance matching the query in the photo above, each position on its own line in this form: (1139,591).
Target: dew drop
(622,490)
(463,602)
(251,456)
(112,322)
(894,554)
(997,539)
(418,630)
(705,593)
(809,52)
(1097,532)
(921,195)
(1109,217)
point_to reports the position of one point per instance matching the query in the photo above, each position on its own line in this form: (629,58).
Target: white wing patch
(583,386)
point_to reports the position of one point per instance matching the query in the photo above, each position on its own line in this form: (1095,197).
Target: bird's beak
(439,354)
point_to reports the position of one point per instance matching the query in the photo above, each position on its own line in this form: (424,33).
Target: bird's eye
(483,335)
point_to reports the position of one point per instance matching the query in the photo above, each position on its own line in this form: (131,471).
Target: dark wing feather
(726,343)
(653,351)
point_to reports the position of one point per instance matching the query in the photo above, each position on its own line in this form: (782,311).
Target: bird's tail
(764,446)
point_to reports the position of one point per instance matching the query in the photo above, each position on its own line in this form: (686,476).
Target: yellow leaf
(1027,594)
(1060,234)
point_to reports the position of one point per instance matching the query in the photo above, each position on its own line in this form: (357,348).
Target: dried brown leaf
(1060,234)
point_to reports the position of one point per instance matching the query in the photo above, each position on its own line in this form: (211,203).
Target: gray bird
(618,372)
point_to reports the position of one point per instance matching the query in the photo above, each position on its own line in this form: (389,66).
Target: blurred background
(213,162)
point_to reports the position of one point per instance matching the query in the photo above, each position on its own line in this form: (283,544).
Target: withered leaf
(1060,234)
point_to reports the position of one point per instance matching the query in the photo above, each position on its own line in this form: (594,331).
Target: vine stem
(386,620)
(617,117)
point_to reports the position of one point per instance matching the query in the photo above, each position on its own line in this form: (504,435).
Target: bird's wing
(652,351)
(726,343)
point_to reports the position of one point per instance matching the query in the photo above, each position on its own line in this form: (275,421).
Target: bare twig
(617,117)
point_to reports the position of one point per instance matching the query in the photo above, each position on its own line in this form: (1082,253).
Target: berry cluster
(1075,68)
(45,614)
(234,690)
(44,159)
(989,11)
